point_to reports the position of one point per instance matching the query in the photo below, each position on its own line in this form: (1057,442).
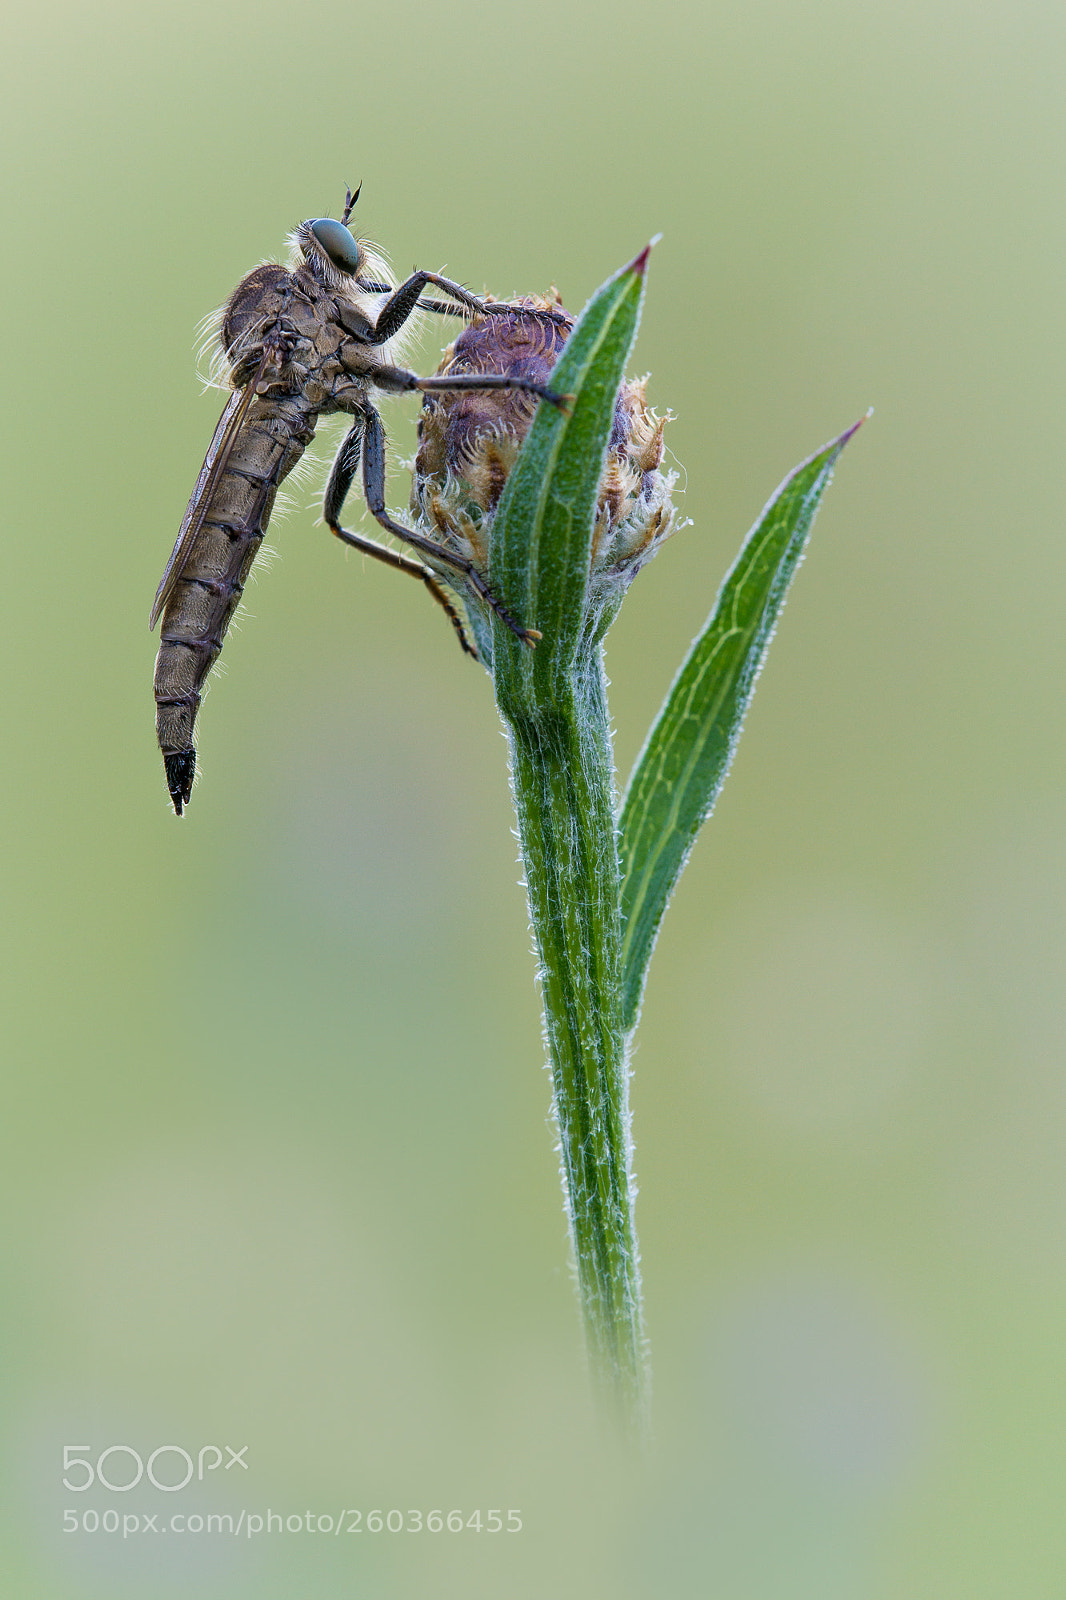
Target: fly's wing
(221,447)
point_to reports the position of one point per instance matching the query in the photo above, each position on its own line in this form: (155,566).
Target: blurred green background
(277,1166)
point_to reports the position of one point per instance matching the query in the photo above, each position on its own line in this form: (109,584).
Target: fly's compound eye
(338,243)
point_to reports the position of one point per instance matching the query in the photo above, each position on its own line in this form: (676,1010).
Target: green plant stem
(563,790)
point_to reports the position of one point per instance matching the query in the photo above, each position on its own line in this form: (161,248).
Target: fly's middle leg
(398,380)
(340,481)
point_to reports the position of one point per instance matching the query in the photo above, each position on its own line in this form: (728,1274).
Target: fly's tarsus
(528,636)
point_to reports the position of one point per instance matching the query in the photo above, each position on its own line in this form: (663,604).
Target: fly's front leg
(374,489)
(340,481)
(400,304)
(443,308)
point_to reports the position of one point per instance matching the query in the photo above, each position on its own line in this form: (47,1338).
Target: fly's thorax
(293,317)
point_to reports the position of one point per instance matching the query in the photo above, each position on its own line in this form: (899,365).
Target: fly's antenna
(349,204)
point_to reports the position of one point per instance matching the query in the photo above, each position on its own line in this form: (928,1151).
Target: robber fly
(299,343)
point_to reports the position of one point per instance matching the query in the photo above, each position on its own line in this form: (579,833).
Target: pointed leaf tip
(849,433)
(639,263)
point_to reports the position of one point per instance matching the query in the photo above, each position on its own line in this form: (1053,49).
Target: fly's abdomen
(208,588)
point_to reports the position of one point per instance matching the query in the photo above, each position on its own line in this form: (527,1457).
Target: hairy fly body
(299,343)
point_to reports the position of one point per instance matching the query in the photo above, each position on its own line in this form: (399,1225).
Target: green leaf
(542,535)
(680,771)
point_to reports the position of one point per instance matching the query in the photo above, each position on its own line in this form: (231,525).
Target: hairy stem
(563,789)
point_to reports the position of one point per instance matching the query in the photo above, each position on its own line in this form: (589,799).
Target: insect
(300,343)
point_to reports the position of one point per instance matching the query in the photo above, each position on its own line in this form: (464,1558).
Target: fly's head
(348,268)
(335,258)
(331,253)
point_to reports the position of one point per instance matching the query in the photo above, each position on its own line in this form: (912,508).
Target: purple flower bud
(468,443)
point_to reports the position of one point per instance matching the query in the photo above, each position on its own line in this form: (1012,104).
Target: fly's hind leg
(374,489)
(340,481)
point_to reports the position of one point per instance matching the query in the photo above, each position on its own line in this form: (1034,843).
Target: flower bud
(469,441)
